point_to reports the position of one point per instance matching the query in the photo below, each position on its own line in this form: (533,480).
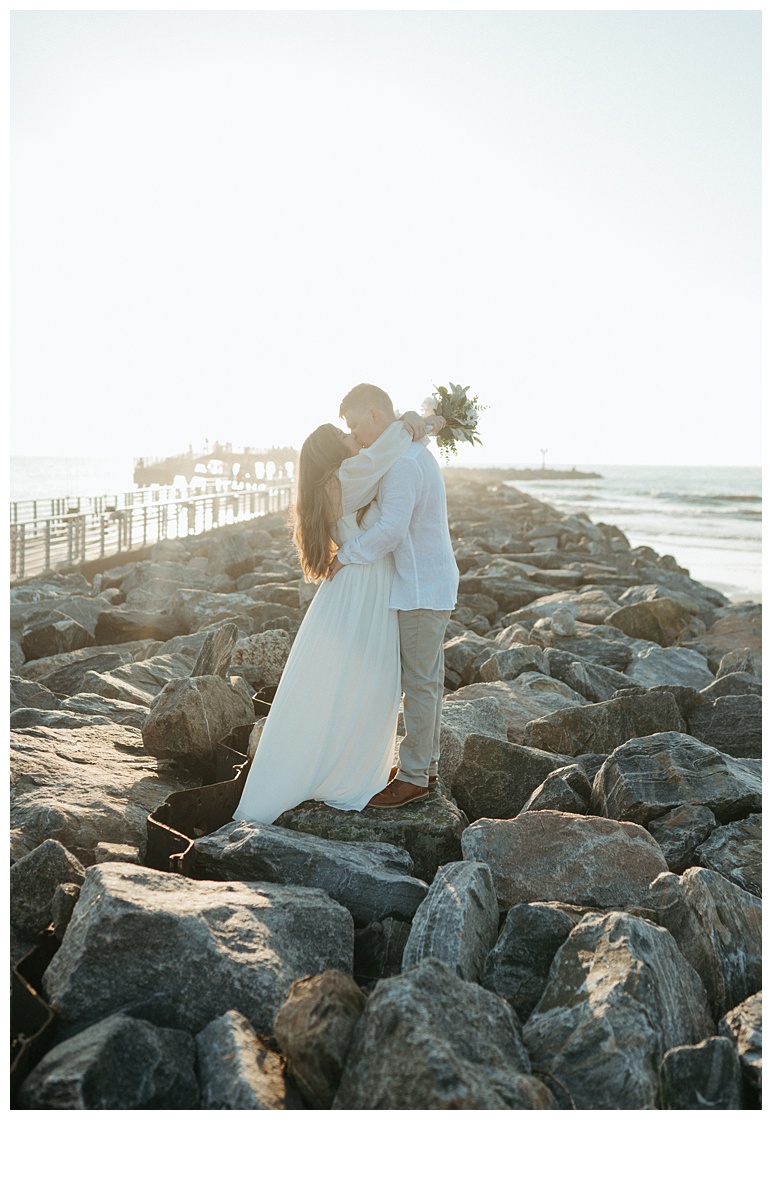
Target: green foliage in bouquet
(461,413)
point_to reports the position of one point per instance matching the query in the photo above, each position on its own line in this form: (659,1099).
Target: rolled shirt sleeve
(360,475)
(399,493)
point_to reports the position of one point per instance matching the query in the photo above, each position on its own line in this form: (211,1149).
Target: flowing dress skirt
(331,731)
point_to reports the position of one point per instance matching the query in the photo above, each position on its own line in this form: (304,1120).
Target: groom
(414,527)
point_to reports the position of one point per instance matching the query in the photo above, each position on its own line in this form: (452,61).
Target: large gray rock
(190,716)
(518,965)
(508,664)
(378,950)
(430,829)
(27,693)
(663,620)
(459,721)
(461,654)
(549,855)
(523,699)
(717,926)
(261,657)
(56,633)
(598,644)
(734,851)
(314,1029)
(68,679)
(619,995)
(372,880)
(215,946)
(566,789)
(675,665)
(47,670)
(116,625)
(680,831)
(706,1076)
(592,681)
(743,1025)
(649,776)
(429,1040)
(731,723)
(458,920)
(139,682)
(600,728)
(83,786)
(737,683)
(117,712)
(120,1062)
(238,1070)
(231,552)
(496,778)
(741,659)
(34,880)
(194,607)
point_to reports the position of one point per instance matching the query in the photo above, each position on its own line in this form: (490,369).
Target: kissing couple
(371,526)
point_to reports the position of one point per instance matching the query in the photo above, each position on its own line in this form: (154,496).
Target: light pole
(543,456)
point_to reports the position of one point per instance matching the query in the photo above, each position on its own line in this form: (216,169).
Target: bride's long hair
(320,456)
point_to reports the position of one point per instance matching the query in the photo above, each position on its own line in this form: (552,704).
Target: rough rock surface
(459,721)
(676,665)
(34,880)
(372,880)
(732,724)
(649,776)
(523,699)
(550,855)
(743,1025)
(566,789)
(717,926)
(458,920)
(117,1063)
(496,778)
(619,995)
(734,851)
(680,831)
(314,1029)
(430,829)
(190,716)
(248,941)
(429,1040)
(238,1070)
(518,965)
(706,1076)
(600,728)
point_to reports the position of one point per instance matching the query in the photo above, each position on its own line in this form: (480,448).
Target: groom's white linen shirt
(413,525)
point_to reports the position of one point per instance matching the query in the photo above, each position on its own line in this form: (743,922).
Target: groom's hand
(334,567)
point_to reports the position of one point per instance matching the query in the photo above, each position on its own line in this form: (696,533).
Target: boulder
(717,926)
(663,621)
(238,1070)
(429,1040)
(518,965)
(590,608)
(68,680)
(600,728)
(248,942)
(116,852)
(680,831)
(523,699)
(371,879)
(732,724)
(595,683)
(566,789)
(510,593)
(261,657)
(314,1029)
(743,1026)
(139,682)
(190,716)
(115,712)
(26,693)
(619,995)
(737,683)
(549,855)
(649,776)
(62,906)
(46,670)
(34,880)
(85,786)
(496,778)
(675,665)
(461,655)
(737,626)
(231,553)
(457,921)
(378,950)
(430,829)
(593,643)
(54,634)
(741,659)
(116,625)
(459,721)
(508,664)
(734,851)
(706,1076)
(117,1063)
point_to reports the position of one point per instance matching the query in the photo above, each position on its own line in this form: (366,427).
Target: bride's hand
(419,426)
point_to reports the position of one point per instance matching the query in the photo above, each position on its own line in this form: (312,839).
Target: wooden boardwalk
(61,534)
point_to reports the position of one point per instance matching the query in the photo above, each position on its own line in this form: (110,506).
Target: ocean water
(708,518)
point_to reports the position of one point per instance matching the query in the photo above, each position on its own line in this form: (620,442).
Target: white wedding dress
(331,730)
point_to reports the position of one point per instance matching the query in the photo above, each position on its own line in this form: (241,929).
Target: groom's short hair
(364,396)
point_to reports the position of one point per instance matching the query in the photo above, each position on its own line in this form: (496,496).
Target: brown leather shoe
(433,779)
(397,793)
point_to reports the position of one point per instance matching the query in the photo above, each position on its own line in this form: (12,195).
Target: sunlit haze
(221,222)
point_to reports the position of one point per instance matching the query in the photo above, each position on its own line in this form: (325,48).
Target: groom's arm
(398,496)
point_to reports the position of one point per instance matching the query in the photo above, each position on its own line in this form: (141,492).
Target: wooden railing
(46,539)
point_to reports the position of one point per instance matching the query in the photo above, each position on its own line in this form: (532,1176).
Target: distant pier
(219,461)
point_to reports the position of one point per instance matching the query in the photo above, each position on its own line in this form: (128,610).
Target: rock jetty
(570,920)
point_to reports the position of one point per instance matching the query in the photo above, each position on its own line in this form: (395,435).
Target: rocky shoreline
(571,919)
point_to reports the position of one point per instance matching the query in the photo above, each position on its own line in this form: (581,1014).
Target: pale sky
(223,221)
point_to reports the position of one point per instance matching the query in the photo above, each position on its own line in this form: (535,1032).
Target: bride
(331,730)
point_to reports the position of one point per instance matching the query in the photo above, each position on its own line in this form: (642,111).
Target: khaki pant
(421,637)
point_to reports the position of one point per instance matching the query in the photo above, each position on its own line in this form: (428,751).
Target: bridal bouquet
(461,414)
